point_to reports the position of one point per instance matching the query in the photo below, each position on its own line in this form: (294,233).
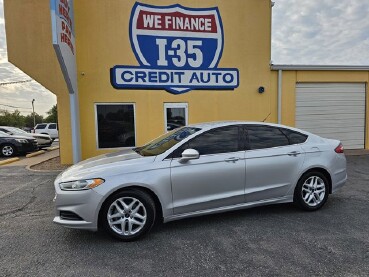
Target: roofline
(320,67)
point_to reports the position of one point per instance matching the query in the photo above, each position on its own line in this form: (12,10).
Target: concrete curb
(52,148)
(35,154)
(28,167)
(8,161)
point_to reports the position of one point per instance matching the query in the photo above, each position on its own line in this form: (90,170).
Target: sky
(319,32)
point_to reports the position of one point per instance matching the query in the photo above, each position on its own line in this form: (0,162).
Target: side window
(294,137)
(220,140)
(261,137)
(52,126)
(41,126)
(6,131)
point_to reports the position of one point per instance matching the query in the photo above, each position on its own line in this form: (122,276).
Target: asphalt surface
(275,240)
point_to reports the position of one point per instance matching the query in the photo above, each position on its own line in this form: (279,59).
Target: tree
(52,115)
(28,120)
(14,119)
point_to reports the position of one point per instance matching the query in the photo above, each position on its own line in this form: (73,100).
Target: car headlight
(22,140)
(81,184)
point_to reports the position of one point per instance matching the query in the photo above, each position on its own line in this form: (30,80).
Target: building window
(175,115)
(115,125)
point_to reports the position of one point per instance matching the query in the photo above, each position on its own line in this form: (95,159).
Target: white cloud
(321,32)
(20,95)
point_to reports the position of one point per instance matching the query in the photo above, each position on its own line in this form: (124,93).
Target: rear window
(294,137)
(41,126)
(52,126)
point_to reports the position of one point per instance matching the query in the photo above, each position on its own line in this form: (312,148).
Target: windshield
(17,130)
(163,143)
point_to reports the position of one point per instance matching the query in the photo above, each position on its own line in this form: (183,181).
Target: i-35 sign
(178,50)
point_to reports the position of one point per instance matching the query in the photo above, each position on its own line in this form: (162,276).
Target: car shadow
(208,222)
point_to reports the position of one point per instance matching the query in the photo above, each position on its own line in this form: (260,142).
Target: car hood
(105,165)
(40,136)
(17,137)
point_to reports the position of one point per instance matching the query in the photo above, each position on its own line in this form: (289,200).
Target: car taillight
(339,149)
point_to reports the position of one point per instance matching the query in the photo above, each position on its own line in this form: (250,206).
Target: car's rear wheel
(8,150)
(128,215)
(311,191)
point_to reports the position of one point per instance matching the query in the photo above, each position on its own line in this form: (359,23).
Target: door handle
(231,160)
(294,153)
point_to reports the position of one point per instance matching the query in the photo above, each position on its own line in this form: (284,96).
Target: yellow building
(215,54)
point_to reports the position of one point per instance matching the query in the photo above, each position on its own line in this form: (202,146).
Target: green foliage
(15,119)
(52,115)
(11,119)
(29,120)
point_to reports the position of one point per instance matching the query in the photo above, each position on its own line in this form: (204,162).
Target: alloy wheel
(127,216)
(7,150)
(313,191)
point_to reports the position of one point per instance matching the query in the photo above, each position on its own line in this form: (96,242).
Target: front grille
(67,215)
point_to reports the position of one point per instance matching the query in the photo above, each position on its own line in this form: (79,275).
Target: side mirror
(189,154)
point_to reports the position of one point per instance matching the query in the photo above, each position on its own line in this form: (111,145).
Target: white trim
(96,122)
(320,67)
(175,105)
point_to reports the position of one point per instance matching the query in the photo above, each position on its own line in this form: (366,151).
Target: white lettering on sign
(62,19)
(139,77)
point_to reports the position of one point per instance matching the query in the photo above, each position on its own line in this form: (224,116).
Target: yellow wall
(28,32)
(103,41)
(290,78)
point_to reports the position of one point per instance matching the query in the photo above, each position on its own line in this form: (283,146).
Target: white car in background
(50,129)
(42,139)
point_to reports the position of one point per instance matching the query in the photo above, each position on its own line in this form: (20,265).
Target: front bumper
(83,203)
(27,147)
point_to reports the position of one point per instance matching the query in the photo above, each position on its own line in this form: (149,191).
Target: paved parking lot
(23,156)
(275,240)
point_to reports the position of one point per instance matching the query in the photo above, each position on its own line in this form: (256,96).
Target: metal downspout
(280,96)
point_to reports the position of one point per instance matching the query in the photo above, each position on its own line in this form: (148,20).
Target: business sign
(178,49)
(62,20)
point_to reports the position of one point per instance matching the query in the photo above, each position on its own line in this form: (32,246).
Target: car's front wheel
(128,214)
(8,150)
(311,191)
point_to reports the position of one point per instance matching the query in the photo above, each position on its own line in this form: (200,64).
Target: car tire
(311,191)
(128,215)
(8,150)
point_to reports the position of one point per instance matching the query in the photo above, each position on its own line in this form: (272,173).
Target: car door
(52,130)
(216,179)
(273,163)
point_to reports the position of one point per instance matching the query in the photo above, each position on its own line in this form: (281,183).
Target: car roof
(215,124)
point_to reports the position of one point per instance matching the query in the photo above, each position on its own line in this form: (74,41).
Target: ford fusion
(196,170)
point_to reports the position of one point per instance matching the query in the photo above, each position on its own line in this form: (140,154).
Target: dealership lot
(273,240)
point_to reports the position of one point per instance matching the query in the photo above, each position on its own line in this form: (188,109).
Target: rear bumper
(339,176)
(339,184)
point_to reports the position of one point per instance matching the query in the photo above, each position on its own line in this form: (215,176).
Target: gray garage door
(332,110)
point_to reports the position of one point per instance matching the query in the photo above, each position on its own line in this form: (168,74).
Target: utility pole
(34,117)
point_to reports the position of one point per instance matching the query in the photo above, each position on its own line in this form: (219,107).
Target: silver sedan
(196,170)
